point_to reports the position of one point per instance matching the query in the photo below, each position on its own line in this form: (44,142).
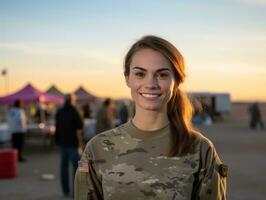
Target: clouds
(60,51)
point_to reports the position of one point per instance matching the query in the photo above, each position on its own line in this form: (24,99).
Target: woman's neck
(150,120)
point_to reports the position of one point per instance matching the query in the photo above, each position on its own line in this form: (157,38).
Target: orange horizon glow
(111,90)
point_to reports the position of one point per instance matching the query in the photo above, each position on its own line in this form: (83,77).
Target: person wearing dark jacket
(255,116)
(68,136)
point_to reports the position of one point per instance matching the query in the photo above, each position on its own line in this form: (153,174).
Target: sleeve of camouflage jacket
(87,184)
(210,183)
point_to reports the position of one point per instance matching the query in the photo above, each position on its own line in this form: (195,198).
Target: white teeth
(150,95)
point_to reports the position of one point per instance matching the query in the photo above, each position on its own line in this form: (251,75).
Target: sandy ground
(239,147)
(28,184)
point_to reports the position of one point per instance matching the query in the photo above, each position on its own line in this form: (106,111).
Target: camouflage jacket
(128,163)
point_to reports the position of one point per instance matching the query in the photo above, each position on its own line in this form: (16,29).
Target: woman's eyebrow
(163,69)
(159,70)
(140,68)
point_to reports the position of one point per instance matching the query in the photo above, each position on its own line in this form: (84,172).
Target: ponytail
(179,110)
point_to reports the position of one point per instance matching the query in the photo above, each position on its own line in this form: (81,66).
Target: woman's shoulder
(204,142)
(207,150)
(210,159)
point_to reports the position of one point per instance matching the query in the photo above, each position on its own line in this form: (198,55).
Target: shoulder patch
(223,170)
(83,166)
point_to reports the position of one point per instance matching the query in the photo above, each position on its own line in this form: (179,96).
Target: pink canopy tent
(83,95)
(30,94)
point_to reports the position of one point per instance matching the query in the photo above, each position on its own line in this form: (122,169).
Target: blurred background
(51,48)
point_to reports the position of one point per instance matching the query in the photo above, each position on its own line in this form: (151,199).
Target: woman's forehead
(148,58)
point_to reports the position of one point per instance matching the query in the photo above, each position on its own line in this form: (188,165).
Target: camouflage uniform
(128,163)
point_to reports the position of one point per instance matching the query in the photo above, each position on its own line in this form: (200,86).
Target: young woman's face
(151,80)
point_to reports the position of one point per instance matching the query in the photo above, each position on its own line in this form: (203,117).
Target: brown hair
(179,109)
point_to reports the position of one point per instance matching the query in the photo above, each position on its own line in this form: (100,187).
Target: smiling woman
(157,154)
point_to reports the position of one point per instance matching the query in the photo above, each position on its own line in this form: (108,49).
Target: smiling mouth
(150,95)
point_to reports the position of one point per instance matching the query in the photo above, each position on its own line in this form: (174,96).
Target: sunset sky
(71,43)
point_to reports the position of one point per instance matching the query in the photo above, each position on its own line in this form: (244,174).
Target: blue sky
(47,42)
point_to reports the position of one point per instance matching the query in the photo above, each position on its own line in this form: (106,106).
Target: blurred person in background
(41,114)
(255,116)
(89,125)
(86,111)
(105,116)
(17,125)
(68,136)
(157,154)
(123,113)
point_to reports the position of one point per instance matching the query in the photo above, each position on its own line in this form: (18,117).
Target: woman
(156,155)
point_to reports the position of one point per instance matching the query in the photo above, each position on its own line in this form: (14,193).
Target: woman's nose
(151,82)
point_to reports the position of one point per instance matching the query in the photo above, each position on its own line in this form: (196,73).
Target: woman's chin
(150,107)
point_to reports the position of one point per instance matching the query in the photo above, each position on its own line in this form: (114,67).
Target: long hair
(179,108)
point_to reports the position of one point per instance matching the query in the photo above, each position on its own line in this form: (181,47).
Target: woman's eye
(139,74)
(163,75)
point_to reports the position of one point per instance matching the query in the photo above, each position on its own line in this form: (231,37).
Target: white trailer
(215,104)
(222,102)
